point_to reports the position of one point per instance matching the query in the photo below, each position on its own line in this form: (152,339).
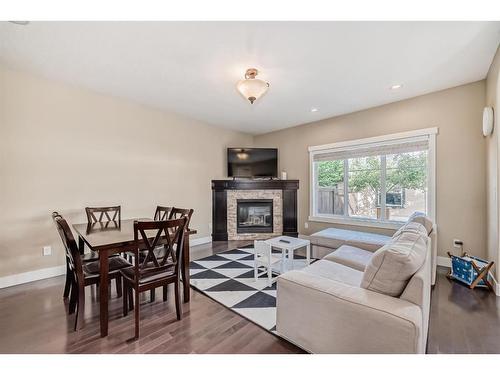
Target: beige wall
(493,100)
(63,148)
(461,170)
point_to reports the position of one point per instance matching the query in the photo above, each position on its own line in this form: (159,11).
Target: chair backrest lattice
(103,214)
(162,213)
(148,235)
(177,213)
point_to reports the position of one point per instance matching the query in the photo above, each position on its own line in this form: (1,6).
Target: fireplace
(254,216)
(227,193)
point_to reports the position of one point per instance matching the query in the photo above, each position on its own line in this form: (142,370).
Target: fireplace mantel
(219,203)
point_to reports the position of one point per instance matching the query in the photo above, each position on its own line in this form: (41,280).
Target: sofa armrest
(326,316)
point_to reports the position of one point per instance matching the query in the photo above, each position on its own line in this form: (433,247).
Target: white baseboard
(444,261)
(27,277)
(200,241)
(494,282)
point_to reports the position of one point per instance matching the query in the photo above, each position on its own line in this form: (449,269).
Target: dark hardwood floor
(33,319)
(463,320)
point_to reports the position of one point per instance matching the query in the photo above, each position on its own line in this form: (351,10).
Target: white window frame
(382,223)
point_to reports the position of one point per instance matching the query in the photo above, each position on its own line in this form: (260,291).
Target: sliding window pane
(330,187)
(406,183)
(364,186)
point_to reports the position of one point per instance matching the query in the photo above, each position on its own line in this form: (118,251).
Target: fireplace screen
(254,215)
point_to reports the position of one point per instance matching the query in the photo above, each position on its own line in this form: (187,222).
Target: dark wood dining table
(116,237)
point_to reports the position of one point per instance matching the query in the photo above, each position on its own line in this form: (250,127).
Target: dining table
(108,238)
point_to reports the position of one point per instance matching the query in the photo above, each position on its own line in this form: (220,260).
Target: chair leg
(130,299)
(80,308)
(136,313)
(152,296)
(178,305)
(75,328)
(118,281)
(255,271)
(67,285)
(73,299)
(125,298)
(165,293)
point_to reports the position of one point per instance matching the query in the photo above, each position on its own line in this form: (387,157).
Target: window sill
(357,222)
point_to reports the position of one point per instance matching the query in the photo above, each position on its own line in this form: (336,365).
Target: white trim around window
(386,140)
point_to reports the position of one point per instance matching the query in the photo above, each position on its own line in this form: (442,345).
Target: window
(377,180)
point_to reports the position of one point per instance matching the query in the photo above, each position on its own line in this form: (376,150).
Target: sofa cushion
(393,265)
(335,271)
(411,227)
(334,238)
(421,218)
(350,256)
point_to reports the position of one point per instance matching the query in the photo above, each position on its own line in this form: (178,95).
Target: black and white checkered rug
(228,278)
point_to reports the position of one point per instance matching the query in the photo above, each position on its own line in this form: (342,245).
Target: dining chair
(81,274)
(264,258)
(106,214)
(174,213)
(107,217)
(162,213)
(153,272)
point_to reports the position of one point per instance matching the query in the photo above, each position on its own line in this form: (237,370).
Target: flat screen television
(252,162)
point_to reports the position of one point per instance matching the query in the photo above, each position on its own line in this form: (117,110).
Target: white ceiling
(191,68)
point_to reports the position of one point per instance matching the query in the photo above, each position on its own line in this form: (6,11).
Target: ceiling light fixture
(242,155)
(252,88)
(314,109)
(395,87)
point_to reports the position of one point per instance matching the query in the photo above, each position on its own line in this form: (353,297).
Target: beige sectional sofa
(357,300)
(328,240)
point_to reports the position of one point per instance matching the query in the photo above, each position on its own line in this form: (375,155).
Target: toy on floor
(470,270)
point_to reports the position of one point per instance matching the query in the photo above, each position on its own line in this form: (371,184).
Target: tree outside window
(405,174)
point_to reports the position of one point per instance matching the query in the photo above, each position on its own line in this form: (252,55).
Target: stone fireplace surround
(234,195)
(225,194)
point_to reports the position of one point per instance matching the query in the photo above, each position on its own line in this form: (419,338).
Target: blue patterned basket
(462,269)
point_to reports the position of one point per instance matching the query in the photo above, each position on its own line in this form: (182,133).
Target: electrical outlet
(47,250)
(306,225)
(457,243)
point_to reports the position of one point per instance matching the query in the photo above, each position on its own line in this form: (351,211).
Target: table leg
(103,291)
(308,254)
(185,269)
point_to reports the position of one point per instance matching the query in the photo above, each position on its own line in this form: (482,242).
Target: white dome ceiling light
(252,88)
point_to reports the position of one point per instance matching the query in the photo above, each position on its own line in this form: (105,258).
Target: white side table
(288,245)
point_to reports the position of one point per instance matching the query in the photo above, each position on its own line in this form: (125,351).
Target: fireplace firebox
(254,216)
